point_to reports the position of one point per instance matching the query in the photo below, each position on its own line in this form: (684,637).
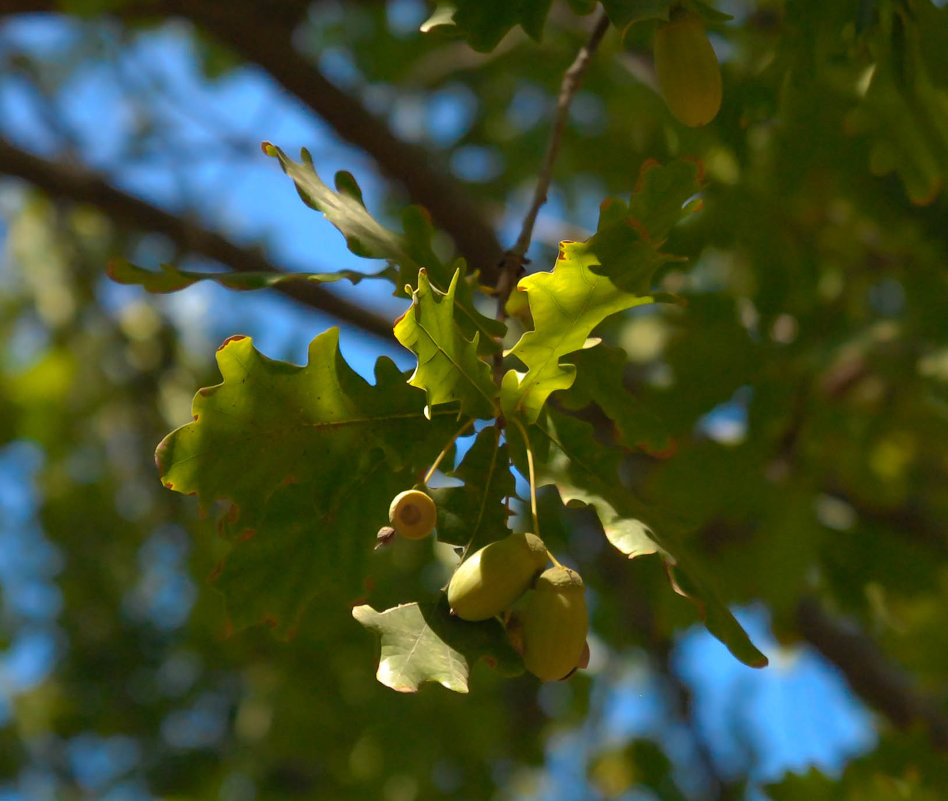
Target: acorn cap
(537,549)
(559,579)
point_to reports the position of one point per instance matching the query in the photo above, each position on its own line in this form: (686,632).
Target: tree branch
(270,46)
(512,264)
(870,673)
(263,37)
(82,186)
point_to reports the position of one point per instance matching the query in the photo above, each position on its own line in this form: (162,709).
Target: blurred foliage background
(805,386)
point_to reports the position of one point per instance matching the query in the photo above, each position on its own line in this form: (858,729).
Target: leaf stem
(444,451)
(513,260)
(533,479)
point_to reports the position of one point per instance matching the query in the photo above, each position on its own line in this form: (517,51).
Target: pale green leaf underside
(425,643)
(364,235)
(410,250)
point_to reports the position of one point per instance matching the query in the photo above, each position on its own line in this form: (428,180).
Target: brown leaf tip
(234,338)
(647,165)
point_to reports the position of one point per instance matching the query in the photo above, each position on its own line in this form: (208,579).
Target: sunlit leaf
(566,304)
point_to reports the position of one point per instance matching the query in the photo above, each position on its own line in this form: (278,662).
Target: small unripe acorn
(492,578)
(687,70)
(412,514)
(549,624)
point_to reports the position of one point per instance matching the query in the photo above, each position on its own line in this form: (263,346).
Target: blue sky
(796,714)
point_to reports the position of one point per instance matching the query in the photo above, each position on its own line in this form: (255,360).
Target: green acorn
(412,514)
(549,624)
(687,70)
(491,579)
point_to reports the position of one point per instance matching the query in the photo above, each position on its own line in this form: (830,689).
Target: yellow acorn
(412,514)
(687,69)
(550,623)
(492,578)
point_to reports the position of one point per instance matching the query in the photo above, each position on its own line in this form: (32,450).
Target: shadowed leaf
(584,472)
(291,447)
(475,514)
(599,373)
(170,279)
(483,23)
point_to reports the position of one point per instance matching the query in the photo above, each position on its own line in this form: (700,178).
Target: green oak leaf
(410,250)
(569,457)
(476,513)
(309,541)
(566,304)
(664,195)
(811,786)
(426,643)
(171,279)
(365,235)
(483,23)
(629,235)
(905,109)
(292,449)
(449,368)
(599,380)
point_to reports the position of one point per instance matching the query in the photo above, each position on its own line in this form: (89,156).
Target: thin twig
(533,478)
(444,451)
(513,260)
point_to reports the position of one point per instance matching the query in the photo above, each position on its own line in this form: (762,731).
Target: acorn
(492,578)
(412,514)
(687,69)
(550,623)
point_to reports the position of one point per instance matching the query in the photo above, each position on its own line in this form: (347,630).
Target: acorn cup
(412,514)
(549,624)
(492,578)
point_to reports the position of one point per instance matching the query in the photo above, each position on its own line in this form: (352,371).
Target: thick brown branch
(870,673)
(79,185)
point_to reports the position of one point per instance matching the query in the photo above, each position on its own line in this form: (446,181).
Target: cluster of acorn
(544,609)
